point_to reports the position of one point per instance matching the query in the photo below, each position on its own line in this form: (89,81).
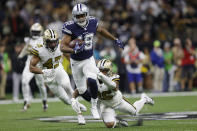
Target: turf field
(172,113)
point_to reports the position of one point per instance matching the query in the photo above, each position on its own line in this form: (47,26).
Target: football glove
(75,105)
(119,43)
(79,48)
(49,75)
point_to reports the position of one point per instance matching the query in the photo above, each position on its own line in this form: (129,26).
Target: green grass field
(12,119)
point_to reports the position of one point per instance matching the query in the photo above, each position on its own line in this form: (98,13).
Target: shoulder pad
(67,27)
(39,45)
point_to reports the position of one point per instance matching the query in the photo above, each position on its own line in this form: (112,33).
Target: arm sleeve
(107,81)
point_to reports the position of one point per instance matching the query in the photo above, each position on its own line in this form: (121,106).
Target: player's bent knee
(110,124)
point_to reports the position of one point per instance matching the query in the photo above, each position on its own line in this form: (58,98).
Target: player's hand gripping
(48,74)
(119,43)
(79,48)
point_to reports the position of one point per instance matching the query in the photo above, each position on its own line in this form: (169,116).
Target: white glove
(48,74)
(106,80)
(75,105)
(99,75)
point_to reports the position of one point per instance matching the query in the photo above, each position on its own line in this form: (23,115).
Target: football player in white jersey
(55,77)
(83,65)
(111,99)
(36,32)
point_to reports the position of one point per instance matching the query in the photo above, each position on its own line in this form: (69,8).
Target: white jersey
(109,97)
(48,59)
(31,43)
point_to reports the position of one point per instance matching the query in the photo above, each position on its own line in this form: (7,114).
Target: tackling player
(83,65)
(36,31)
(111,99)
(55,77)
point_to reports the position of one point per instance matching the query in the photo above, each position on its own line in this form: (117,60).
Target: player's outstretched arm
(107,81)
(33,63)
(105,33)
(65,44)
(108,35)
(24,51)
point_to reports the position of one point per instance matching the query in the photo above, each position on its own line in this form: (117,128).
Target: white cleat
(148,99)
(95,113)
(81,120)
(82,107)
(123,123)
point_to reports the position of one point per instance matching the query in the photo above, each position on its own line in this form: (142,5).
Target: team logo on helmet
(51,39)
(80,14)
(105,65)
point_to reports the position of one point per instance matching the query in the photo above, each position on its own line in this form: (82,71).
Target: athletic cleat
(44,105)
(81,120)
(123,123)
(148,99)
(26,106)
(95,113)
(82,107)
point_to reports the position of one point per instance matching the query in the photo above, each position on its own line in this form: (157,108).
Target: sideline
(166,94)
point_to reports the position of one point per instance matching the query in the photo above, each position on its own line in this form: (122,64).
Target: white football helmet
(80,14)
(105,65)
(50,39)
(36,30)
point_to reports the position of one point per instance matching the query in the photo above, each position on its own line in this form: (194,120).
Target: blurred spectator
(188,67)
(147,70)
(17,69)
(158,66)
(177,57)
(6,66)
(109,53)
(133,60)
(148,20)
(169,70)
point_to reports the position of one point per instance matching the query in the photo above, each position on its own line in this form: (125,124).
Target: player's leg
(80,79)
(126,107)
(26,77)
(139,104)
(90,71)
(63,79)
(43,90)
(108,116)
(16,84)
(60,92)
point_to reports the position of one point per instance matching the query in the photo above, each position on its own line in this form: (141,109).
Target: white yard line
(167,94)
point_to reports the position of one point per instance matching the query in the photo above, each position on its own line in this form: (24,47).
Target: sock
(86,95)
(139,105)
(44,102)
(93,87)
(94,102)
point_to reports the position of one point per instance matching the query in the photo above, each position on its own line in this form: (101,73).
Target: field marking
(149,116)
(166,94)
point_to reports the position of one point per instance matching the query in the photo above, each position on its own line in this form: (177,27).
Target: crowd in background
(163,31)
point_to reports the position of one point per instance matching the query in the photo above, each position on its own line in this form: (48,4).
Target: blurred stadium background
(167,25)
